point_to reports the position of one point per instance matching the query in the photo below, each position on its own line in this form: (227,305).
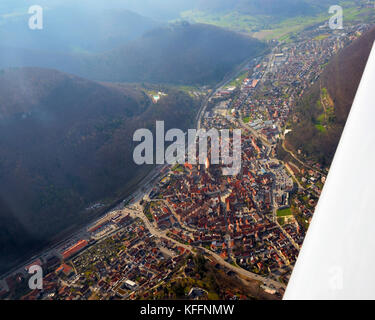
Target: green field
(321,128)
(271,27)
(178,168)
(230,20)
(261,27)
(238,81)
(327,116)
(321,37)
(284,212)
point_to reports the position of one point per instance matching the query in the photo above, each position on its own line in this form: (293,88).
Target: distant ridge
(180,53)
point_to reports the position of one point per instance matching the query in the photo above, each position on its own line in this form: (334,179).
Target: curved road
(298,160)
(163,234)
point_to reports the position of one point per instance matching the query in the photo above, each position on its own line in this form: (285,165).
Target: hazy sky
(162,9)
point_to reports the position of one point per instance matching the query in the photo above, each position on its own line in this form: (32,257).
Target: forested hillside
(180,53)
(66,143)
(335,91)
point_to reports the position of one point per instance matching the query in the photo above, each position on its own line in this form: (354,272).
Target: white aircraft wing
(337,259)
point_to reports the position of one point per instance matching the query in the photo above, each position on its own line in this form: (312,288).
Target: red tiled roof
(74,249)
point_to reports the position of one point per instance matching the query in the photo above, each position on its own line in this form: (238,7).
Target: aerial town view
(186,231)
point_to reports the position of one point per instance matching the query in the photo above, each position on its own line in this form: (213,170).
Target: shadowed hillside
(180,54)
(339,84)
(66,143)
(15,240)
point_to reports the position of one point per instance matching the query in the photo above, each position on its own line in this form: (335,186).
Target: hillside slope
(338,83)
(72,28)
(178,54)
(66,143)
